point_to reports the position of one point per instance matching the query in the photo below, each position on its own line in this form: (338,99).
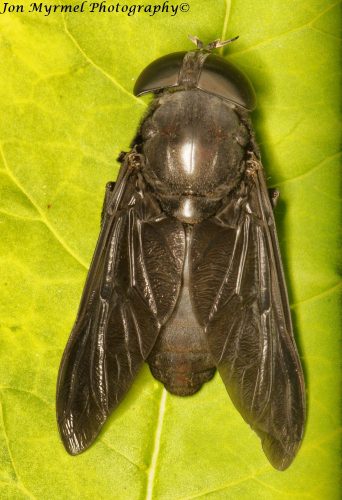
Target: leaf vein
(225,22)
(304,26)
(310,170)
(328,291)
(19,483)
(24,391)
(227,486)
(97,67)
(44,219)
(139,467)
(151,471)
(18,216)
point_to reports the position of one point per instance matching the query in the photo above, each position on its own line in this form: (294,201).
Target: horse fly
(187,274)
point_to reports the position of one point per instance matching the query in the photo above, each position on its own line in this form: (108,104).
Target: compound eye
(221,78)
(160,74)
(217,76)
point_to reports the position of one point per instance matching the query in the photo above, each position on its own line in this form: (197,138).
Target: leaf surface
(67,111)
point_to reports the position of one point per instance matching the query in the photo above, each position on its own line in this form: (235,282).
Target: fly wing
(240,298)
(131,290)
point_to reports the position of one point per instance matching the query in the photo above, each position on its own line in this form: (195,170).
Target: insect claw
(134,159)
(274,196)
(253,164)
(122,156)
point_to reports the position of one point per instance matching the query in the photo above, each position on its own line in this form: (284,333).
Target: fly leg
(253,165)
(109,189)
(274,196)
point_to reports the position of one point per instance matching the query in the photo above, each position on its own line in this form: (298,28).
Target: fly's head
(198,69)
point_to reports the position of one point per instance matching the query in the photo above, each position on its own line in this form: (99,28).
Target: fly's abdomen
(180,358)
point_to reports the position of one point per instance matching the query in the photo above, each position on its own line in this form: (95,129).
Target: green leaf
(67,111)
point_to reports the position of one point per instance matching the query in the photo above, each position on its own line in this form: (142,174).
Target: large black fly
(187,274)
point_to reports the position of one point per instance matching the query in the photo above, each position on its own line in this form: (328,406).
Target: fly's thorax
(189,209)
(194,147)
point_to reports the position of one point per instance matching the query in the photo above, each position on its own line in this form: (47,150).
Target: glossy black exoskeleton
(187,274)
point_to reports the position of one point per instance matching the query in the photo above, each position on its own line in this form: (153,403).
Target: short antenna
(212,45)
